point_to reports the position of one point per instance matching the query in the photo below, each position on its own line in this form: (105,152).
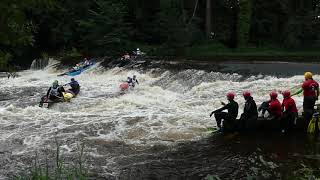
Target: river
(158,130)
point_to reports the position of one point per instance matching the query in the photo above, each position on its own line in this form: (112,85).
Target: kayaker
(129,80)
(249,116)
(228,117)
(75,87)
(55,92)
(310,89)
(134,81)
(290,112)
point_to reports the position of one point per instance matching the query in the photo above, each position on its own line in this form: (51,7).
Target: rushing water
(156,131)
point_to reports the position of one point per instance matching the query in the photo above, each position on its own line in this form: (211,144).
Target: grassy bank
(219,52)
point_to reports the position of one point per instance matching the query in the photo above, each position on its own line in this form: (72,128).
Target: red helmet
(230,95)
(286,94)
(273,95)
(246,94)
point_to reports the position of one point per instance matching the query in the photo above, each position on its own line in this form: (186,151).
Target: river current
(132,135)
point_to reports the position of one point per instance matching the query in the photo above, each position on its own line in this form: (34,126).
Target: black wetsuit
(229,117)
(249,116)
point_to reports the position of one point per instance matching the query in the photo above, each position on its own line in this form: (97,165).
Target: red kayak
(124,86)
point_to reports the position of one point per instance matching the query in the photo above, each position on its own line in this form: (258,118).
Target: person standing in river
(310,89)
(229,117)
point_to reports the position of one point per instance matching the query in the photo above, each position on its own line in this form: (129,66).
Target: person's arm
(137,81)
(298,92)
(48,92)
(219,110)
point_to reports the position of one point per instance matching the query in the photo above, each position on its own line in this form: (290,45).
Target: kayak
(80,70)
(46,102)
(77,72)
(124,86)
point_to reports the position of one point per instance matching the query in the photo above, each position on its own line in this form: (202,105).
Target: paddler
(134,81)
(55,92)
(75,87)
(228,117)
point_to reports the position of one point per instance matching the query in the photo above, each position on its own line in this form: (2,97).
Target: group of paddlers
(284,114)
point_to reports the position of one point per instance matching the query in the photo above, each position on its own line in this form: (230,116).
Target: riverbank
(217,52)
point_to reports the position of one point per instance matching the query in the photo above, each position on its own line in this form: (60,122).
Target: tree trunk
(208,17)
(244,21)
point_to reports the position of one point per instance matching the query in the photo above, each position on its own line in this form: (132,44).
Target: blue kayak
(77,72)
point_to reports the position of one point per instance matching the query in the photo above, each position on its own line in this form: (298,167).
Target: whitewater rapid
(165,108)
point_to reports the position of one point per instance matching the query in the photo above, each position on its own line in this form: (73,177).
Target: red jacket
(275,107)
(289,105)
(309,86)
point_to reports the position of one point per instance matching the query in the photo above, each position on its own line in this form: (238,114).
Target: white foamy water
(164,109)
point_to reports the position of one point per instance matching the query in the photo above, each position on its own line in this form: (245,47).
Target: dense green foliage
(30,28)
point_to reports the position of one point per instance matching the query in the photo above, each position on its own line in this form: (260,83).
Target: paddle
(291,89)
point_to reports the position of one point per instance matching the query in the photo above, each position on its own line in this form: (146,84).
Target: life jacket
(54,91)
(312,127)
(130,82)
(309,87)
(133,83)
(289,102)
(275,107)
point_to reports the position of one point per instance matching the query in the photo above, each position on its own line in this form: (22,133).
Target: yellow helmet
(308,75)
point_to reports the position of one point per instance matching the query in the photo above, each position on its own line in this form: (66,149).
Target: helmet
(308,75)
(72,79)
(286,94)
(134,76)
(273,95)
(230,96)
(246,94)
(138,49)
(129,77)
(55,83)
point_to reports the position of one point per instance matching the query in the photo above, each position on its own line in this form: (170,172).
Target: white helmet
(138,49)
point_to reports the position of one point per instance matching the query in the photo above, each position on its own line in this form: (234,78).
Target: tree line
(30,28)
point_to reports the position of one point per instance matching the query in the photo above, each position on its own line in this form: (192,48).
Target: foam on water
(164,108)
